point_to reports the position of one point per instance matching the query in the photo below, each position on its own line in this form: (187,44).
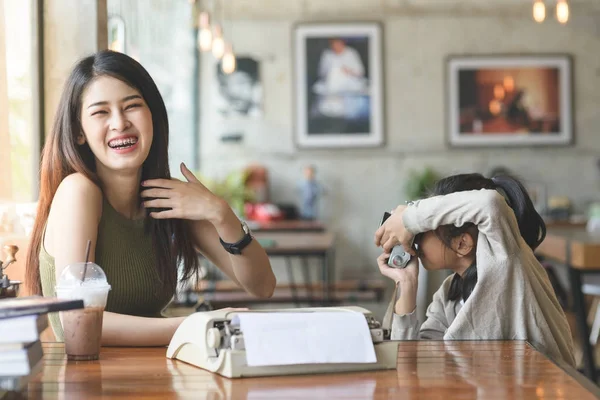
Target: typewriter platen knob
(213,338)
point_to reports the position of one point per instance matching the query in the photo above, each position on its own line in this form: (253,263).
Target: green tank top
(125,253)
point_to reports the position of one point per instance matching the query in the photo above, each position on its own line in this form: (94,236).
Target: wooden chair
(591,287)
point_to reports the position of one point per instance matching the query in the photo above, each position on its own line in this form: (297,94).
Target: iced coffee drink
(83,327)
(78,346)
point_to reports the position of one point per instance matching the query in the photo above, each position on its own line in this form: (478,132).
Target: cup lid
(82,274)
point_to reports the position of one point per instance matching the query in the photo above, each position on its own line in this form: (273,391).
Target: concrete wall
(72,30)
(417,37)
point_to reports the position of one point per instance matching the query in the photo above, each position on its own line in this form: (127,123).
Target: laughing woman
(105,177)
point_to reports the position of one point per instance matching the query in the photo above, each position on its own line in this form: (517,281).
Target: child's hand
(393,232)
(408,281)
(403,276)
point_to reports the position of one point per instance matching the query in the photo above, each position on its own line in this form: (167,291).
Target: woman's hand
(403,276)
(186,200)
(393,232)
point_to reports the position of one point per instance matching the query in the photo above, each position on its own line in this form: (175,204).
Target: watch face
(245,227)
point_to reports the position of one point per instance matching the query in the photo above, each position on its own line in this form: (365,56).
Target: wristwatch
(237,247)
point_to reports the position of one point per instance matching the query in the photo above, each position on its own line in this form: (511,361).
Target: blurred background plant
(419,183)
(232,188)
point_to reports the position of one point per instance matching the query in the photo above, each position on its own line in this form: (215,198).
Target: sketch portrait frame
(353,134)
(562,136)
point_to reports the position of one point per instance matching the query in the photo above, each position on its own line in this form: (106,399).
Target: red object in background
(258,182)
(263,212)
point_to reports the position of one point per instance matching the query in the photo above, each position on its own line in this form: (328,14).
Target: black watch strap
(237,247)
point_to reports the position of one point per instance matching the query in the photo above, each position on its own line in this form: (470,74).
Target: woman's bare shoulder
(78,187)
(74,218)
(76,196)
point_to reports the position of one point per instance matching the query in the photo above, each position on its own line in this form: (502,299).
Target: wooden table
(303,246)
(560,224)
(425,370)
(579,251)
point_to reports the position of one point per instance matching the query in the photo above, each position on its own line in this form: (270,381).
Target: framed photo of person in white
(338,85)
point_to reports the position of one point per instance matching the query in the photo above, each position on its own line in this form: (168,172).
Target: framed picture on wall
(509,100)
(338,85)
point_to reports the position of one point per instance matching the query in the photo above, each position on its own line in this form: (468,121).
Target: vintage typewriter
(212,341)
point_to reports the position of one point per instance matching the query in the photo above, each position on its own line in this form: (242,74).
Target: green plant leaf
(419,183)
(232,189)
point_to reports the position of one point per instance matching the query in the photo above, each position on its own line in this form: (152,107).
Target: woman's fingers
(165,214)
(159,203)
(188,174)
(161,183)
(160,193)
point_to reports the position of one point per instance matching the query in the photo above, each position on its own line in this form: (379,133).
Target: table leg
(330,271)
(290,271)
(307,281)
(326,277)
(582,326)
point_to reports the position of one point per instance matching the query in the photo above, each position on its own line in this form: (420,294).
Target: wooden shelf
(344,285)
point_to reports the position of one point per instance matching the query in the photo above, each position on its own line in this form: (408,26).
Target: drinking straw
(87,257)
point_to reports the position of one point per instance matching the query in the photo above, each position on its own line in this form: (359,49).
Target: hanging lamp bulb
(228,61)
(539,11)
(562,11)
(204,34)
(218,43)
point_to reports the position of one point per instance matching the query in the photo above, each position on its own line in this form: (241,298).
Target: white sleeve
(353,62)
(485,208)
(407,327)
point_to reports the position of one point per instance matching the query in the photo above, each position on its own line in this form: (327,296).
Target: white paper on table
(281,338)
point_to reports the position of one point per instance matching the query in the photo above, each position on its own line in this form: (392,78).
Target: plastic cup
(83,327)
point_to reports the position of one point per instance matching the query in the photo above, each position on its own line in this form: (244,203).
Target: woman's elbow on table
(267,289)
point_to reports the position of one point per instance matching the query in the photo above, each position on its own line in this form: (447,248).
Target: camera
(398,257)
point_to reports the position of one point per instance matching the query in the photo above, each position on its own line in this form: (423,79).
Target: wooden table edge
(572,372)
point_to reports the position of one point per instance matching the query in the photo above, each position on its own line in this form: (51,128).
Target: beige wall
(72,29)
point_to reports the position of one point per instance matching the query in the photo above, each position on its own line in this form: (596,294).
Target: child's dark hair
(531,224)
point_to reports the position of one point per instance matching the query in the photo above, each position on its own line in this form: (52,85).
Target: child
(485,230)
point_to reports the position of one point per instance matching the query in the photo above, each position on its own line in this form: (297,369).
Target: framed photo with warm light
(509,100)
(338,85)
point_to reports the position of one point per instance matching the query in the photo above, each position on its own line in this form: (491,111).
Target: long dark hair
(531,224)
(62,156)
